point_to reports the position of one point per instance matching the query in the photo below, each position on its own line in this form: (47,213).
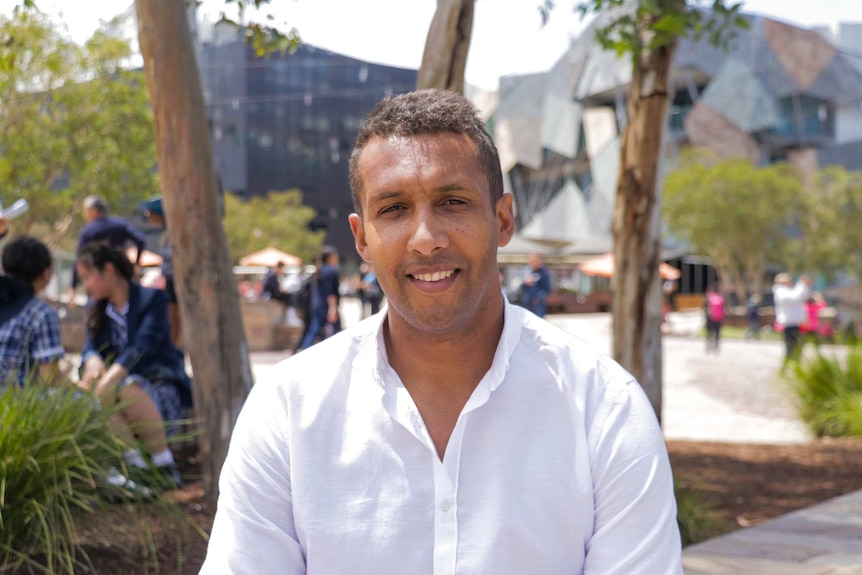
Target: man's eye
(391,209)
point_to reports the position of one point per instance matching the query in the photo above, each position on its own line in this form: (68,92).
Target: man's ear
(358,228)
(505,220)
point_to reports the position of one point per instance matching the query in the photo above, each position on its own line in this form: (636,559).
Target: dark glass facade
(289,121)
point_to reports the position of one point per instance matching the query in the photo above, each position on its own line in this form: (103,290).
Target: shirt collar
(373,356)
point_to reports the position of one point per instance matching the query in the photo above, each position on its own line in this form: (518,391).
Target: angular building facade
(289,121)
(779,93)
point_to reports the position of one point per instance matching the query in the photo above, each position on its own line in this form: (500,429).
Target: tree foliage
(652,24)
(735,213)
(73,121)
(828,237)
(279,219)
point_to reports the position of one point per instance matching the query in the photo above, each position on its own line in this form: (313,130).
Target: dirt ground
(744,484)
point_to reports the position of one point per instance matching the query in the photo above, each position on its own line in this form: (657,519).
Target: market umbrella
(603,265)
(269,257)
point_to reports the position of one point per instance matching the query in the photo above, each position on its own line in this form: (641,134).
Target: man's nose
(429,233)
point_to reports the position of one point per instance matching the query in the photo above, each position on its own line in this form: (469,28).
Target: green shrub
(696,519)
(55,446)
(829,393)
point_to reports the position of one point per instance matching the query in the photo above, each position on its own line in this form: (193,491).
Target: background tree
(733,212)
(444,59)
(279,219)
(73,121)
(647,30)
(827,235)
(209,302)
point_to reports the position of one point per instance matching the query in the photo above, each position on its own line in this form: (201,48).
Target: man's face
(90,214)
(431,230)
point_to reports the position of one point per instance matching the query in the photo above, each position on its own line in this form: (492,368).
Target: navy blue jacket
(116,232)
(150,352)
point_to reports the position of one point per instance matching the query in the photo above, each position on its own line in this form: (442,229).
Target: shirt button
(444,505)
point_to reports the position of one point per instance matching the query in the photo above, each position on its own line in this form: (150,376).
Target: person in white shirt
(451,433)
(790,310)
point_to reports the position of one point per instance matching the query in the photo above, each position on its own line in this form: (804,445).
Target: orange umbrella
(148,258)
(603,266)
(269,257)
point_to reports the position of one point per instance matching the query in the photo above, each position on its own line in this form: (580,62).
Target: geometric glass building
(289,121)
(779,93)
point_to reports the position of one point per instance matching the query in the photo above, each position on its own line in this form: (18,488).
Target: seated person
(128,338)
(30,350)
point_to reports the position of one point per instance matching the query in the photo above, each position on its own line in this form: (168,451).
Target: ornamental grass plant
(829,392)
(55,448)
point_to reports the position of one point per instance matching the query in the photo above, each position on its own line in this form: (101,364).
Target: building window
(801,116)
(679,108)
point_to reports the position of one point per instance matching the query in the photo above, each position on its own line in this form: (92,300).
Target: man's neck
(441,373)
(446,363)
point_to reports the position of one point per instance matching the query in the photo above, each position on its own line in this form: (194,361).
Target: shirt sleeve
(46,345)
(253,532)
(635,530)
(137,237)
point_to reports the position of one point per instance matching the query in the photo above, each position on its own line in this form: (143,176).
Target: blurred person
(155,215)
(128,342)
(812,327)
(4,227)
(31,350)
(535,285)
(271,285)
(325,320)
(714,310)
(455,432)
(790,310)
(372,294)
(114,231)
(752,317)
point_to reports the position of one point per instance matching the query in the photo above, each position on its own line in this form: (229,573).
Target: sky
(508,36)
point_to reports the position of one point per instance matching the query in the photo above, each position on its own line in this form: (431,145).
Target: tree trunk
(206,289)
(445,56)
(636,226)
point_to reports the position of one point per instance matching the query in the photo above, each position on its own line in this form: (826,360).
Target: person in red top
(813,306)
(714,317)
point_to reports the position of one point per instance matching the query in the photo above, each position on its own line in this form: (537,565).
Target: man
(535,285)
(325,320)
(455,433)
(790,310)
(271,286)
(116,232)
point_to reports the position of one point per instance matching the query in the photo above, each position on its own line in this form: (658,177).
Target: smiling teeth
(435,277)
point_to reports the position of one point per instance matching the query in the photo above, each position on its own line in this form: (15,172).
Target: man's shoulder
(326,363)
(566,350)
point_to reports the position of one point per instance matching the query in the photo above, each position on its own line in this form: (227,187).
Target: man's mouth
(434,277)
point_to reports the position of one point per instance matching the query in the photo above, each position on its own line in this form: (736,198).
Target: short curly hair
(424,112)
(26,259)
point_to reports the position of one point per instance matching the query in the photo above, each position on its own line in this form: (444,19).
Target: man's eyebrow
(387,195)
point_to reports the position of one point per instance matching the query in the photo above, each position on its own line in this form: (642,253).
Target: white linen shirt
(555,465)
